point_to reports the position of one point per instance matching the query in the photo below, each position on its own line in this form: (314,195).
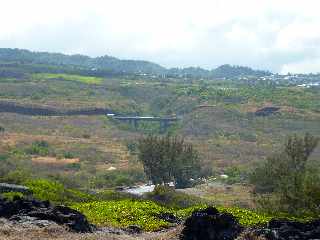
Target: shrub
(167,196)
(74,166)
(12,195)
(132,147)
(167,159)
(53,191)
(235,175)
(118,178)
(38,148)
(68,155)
(288,177)
(86,135)
(47,190)
(18,176)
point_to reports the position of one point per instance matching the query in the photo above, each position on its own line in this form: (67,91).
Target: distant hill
(228,71)
(108,64)
(104,62)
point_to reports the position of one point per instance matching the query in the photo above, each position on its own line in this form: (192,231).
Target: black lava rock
(287,230)
(169,217)
(209,224)
(266,111)
(134,229)
(20,208)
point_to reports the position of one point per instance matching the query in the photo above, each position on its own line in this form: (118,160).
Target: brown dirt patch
(54,161)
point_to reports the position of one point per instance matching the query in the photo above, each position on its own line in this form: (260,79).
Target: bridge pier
(164,125)
(163,121)
(136,123)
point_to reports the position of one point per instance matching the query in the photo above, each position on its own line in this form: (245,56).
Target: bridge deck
(147,118)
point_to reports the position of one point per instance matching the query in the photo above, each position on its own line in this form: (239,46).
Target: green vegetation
(56,192)
(167,196)
(167,159)
(12,195)
(124,213)
(67,77)
(146,214)
(109,208)
(38,148)
(290,179)
(112,66)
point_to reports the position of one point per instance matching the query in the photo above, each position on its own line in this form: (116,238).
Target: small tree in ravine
(287,175)
(167,159)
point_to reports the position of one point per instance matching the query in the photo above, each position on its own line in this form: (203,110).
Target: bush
(287,176)
(74,166)
(17,176)
(132,147)
(53,191)
(235,175)
(118,178)
(12,195)
(167,159)
(68,155)
(38,148)
(167,196)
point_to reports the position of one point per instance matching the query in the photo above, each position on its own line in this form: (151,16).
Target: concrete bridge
(164,121)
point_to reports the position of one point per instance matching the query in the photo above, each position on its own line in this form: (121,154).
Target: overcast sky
(278,35)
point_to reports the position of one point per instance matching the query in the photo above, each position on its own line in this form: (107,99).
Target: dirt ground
(11,231)
(223,194)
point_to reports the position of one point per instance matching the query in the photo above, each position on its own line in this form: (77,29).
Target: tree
(287,175)
(167,159)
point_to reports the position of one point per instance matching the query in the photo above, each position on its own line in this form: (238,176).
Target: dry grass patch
(54,161)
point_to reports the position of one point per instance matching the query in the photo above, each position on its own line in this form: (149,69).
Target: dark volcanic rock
(134,229)
(209,224)
(21,209)
(266,111)
(5,187)
(287,230)
(169,217)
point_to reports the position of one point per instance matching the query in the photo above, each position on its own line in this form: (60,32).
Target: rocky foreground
(33,219)
(211,225)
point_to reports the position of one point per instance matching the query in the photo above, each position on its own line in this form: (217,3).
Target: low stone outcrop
(209,224)
(266,111)
(5,187)
(21,210)
(287,230)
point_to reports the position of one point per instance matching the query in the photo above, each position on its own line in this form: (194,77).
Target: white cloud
(272,34)
(308,66)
